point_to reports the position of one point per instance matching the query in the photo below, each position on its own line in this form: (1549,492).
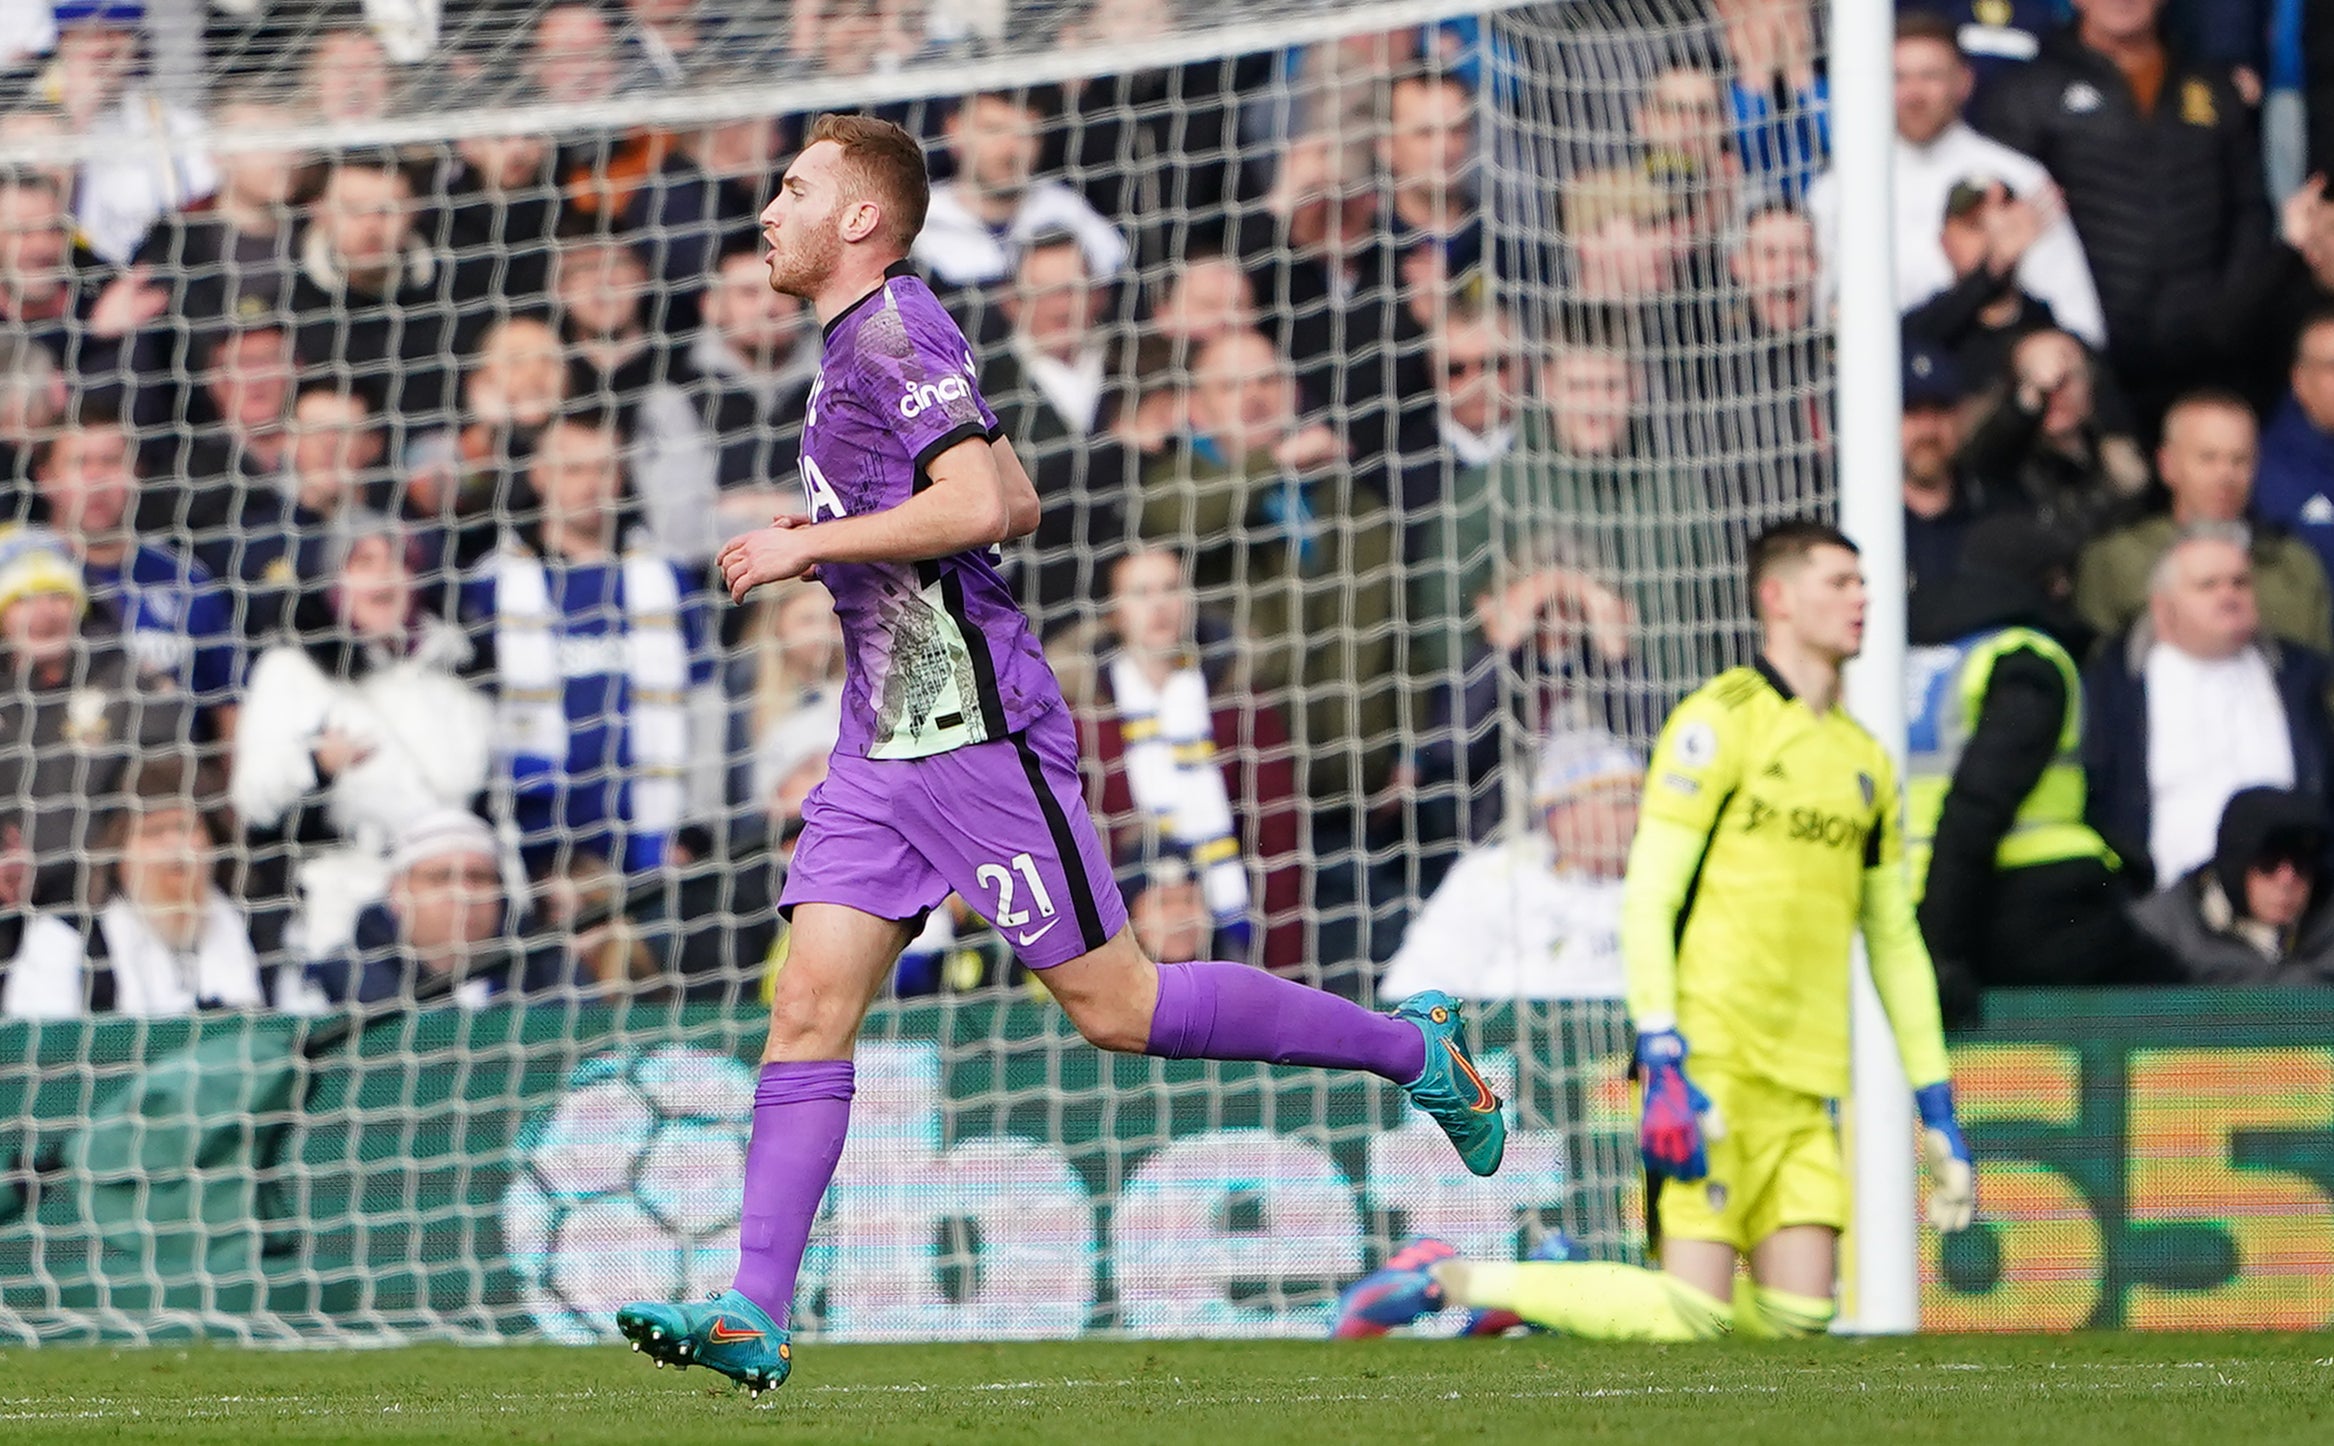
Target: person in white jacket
(166,942)
(1935,151)
(1536,915)
(358,729)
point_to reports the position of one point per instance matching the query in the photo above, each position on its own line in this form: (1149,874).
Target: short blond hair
(886,164)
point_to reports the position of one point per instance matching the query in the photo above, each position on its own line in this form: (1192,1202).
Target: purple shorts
(1002,823)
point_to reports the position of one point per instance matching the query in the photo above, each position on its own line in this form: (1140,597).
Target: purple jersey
(937,654)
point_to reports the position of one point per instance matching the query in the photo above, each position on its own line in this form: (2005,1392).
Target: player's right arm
(975,498)
(1695,769)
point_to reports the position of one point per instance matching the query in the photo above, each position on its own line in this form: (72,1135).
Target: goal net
(394,810)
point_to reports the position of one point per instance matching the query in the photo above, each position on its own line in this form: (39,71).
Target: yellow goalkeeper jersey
(1768,835)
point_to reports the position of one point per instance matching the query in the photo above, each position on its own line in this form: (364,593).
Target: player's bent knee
(811,1024)
(1112,1025)
(1109,994)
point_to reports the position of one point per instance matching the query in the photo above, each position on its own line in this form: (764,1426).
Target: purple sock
(1232,1011)
(802,1110)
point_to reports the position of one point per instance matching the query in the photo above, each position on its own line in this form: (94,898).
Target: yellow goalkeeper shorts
(1778,1165)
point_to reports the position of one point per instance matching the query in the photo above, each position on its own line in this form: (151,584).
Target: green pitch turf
(2111,1390)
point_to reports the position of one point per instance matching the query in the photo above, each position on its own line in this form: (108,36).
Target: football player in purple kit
(957,770)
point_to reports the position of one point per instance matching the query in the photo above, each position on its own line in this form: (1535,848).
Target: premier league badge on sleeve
(1697,745)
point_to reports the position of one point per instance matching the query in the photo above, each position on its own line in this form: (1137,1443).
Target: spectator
(1459,506)
(1942,501)
(2162,176)
(167,941)
(441,929)
(471,480)
(2297,285)
(1994,37)
(1779,93)
(2014,887)
(76,717)
(2207,462)
(498,220)
(49,284)
(2259,912)
(179,622)
(1310,251)
(1628,249)
(1278,526)
(754,359)
(1983,314)
(1431,224)
(790,760)
(2294,486)
(1158,150)
(348,75)
(1272,509)
(228,261)
(374,306)
(572,57)
(1049,384)
(2195,703)
(1773,383)
(2032,246)
(1167,907)
(33,126)
(334,471)
(1682,126)
(355,731)
(1536,915)
(1206,295)
(993,206)
(670,42)
(149,164)
(619,368)
(2042,436)
(792,660)
(595,646)
(1182,754)
(742,159)
(243,455)
(32,396)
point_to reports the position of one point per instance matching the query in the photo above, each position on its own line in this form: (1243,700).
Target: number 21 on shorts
(1000,878)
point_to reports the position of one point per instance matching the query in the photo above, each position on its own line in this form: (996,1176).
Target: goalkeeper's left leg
(1598,1300)
(1595,1299)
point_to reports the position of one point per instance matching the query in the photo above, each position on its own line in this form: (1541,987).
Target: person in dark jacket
(374,303)
(2293,483)
(2261,913)
(444,929)
(1994,910)
(2161,168)
(2195,703)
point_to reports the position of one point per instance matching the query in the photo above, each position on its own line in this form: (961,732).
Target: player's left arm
(1907,984)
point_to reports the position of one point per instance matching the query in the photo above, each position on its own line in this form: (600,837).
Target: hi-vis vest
(1947,690)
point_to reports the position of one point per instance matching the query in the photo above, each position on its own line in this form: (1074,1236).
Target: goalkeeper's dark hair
(1786,547)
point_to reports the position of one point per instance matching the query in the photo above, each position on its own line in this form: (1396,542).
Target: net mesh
(386,378)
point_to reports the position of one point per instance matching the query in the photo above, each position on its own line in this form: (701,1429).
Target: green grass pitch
(2127,1390)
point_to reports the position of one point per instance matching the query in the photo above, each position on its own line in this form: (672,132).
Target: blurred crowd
(1400,407)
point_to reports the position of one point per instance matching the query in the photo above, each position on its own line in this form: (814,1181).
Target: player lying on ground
(957,767)
(1768,834)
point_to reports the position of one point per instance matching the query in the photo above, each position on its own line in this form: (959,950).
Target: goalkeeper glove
(1678,1117)
(1952,1177)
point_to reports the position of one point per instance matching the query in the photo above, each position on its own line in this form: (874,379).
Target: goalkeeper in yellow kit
(1768,835)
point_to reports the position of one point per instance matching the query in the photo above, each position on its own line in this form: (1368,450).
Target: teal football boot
(1450,1090)
(728,1333)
